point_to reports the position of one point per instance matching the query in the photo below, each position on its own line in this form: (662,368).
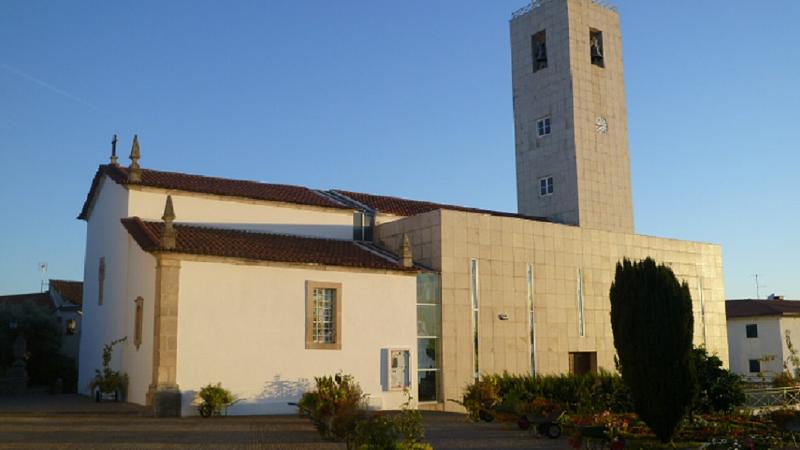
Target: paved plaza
(73,422)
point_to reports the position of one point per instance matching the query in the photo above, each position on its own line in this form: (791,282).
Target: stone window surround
(310,344)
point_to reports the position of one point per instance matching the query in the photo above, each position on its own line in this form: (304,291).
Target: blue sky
(405,98)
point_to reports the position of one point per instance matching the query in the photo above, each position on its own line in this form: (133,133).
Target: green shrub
(584,393)
(338,409)
(401,431)
(335,405)
(213,400)
(107,380)
(42,338)
(719,390)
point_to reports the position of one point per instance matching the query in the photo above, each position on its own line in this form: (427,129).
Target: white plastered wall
(246,214)
(105,237)
(140,282)
(767,347)
(244,326)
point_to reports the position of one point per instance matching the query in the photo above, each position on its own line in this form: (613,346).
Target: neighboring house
(757,335)
(262,286)
(63,299)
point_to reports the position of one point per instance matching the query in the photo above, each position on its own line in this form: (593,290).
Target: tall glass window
(429,332)
(473,275)
(531,319)
(581,321)
(703,311)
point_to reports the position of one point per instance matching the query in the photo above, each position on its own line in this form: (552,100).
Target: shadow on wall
(273,398)
(325,231)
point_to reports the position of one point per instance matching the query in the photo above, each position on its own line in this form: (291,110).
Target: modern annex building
(263,286)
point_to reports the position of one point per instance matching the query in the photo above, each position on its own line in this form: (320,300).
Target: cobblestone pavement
(78,423)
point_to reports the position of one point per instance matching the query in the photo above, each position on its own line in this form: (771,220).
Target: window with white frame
(545,186)
(323,315)
(543,126)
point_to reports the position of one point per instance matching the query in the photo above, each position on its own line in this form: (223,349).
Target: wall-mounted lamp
(502,316)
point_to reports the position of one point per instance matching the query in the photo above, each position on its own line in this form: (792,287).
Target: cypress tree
(651,316)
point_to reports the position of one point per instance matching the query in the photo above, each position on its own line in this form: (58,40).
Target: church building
(262,286)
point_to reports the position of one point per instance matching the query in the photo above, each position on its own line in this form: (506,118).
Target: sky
(411,99)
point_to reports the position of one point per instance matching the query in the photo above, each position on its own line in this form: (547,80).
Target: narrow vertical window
(755,366)
(581,321)
(323,315)
(596,47)
(751,331)
(531,320)
(101,279)
(473,274)
(703,312)
(429,332)
(539,50)
(72,327)
(137,322)
(543,126)
(545,186)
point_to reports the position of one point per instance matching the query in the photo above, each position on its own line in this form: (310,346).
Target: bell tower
(570,118)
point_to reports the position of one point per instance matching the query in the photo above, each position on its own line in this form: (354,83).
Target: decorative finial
(114,151)
(408,260)
(134,174)
(170,234)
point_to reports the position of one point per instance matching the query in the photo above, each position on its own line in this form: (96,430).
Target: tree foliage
(719,390)
(651,317)
(42,334)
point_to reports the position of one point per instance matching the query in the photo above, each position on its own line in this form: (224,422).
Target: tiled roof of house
(40,299)
(278,193)
(71,291)
(404,207)
(750,308)
(211,185)
(198,240)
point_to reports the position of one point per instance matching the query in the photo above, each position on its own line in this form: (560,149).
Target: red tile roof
(40,299)
(404,207)
(211,185)
(751,308)
(207,241)
(71,291)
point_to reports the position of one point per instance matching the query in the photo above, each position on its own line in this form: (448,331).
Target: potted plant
(109,384)
(214,400)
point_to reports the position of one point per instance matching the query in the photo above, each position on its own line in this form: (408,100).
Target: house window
(363,224)
(582,362)
(137,322)
(539,50)
(543,126)
(596,47)
(545,186)
(101,279)
(755,366)
(323,315)
(72,327)
(752,330)
(429,332)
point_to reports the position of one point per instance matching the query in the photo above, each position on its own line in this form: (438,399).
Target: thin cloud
(48,86)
